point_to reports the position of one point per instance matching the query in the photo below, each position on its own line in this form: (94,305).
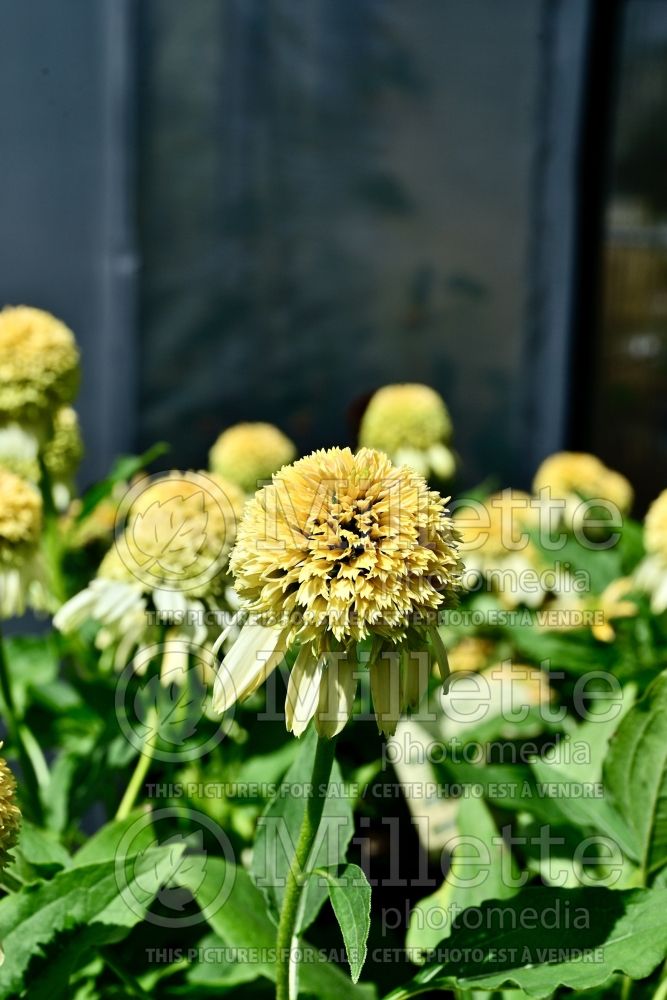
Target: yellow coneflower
(340,549)
(169,560)
(498,549)
(39,364)
(471,654)
(595,611)
(651,574)
(21,571)
(10,814)
(570,477)
(411,423)
(248,454)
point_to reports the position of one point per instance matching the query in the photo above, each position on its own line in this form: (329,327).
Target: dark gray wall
(66,241)
(341,193)
(329,195)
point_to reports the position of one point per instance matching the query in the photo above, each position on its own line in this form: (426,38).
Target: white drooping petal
(303,690)
(337,690)
(131,629)
(232,599)
(441,461)
(414,459)
(659,599)
(75,611)
(169,602)
(11,593)
(256,652)
(175,658)
(114,599)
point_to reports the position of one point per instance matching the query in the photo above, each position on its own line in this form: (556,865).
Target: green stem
(53,542)
(19,736)
(141,769)
(286,973)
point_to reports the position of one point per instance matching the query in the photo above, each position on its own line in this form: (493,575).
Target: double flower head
(341,565)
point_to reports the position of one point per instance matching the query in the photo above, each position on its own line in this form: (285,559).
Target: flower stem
(141,768)
(53,542)
(286,973)
(34,771)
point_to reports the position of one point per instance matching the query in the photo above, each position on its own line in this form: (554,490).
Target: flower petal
(256,652)
(337,690)
(303,690)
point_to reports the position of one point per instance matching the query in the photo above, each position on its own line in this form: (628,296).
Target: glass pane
(629,397)
(335,194)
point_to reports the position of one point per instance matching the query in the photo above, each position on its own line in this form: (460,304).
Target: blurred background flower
(248,454)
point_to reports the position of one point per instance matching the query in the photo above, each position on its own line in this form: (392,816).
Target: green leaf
(267,767)
(278,832)
(350,896)
(38,853)
(33,660)
(576,653)
(545,938)
(238,917)
(635,772)
(86,898)
(482,868)
(602,566)
(576,804)
(124,468)
(102,846)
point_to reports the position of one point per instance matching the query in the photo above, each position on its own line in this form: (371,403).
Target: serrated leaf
(241,923)
(635,773)
(38,853)
(76,897)
(545,938)
(278,832)
(350,896)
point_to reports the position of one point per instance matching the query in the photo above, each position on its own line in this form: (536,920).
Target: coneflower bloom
(346,558)
(567,478)
(411,423)
(39,365)
(166,567)
(22,579)
(248,454)
(10,814)
(498,549)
